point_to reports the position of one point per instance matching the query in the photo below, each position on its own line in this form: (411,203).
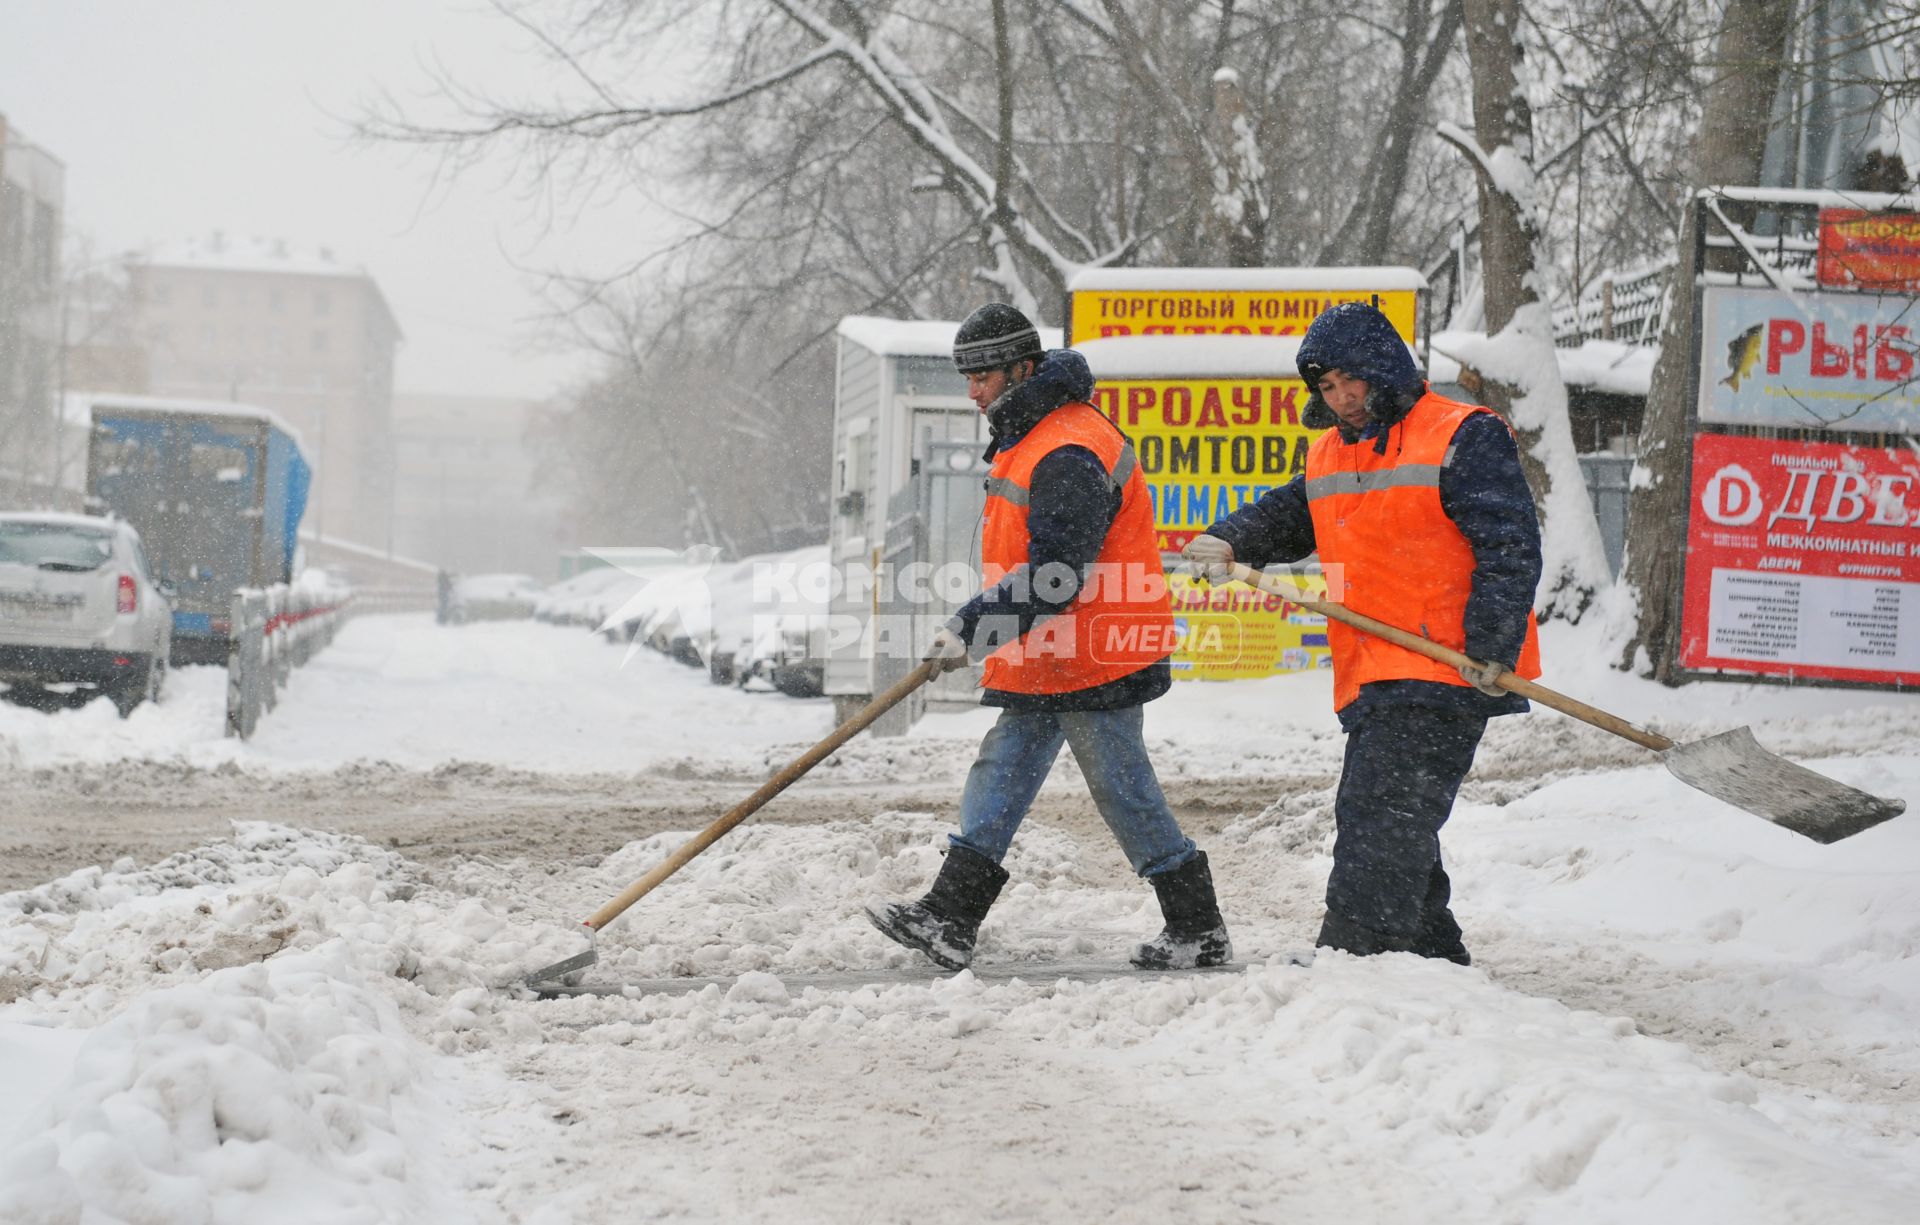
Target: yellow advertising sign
(1100,313)
(1207,447)
(1237,633)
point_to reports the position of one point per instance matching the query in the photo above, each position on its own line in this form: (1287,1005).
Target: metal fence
(273,631)
(1629,307)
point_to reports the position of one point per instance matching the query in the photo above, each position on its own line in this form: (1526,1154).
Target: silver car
(79,606)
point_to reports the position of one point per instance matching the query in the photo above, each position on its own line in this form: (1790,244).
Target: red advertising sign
(1803,560)
(1862,250)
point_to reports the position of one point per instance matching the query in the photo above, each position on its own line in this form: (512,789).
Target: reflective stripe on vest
(1400,559)
(1003,487)
(1121,621)
(1403,477)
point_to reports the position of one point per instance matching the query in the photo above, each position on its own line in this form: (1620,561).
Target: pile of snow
(226,1037)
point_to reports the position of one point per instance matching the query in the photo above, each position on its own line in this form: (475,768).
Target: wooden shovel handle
(772,787)
(1446,655)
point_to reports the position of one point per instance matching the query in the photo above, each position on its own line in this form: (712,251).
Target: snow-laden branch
(1464,141)
(897,85)
(1023,175)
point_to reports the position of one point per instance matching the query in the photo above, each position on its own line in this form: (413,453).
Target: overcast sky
(182,117)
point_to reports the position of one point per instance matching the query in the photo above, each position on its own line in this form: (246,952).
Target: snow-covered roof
(57,518)
(915,337)
(176,404)
(1872,201)
(1191,357)
(1339,280)
(1211,357)
(1601,365)
(362,550)
(1608,365)
(250,254)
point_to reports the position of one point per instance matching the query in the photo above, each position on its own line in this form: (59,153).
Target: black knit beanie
(994,337)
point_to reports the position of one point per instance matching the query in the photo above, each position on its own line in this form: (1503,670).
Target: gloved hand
(1485,677)
(1208,558)
(948,650)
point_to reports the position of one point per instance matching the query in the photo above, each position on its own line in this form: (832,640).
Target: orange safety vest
(1378,519)
(1121,621)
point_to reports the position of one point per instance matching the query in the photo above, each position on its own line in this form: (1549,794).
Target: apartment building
(294,330)
(32,203)
(466,486)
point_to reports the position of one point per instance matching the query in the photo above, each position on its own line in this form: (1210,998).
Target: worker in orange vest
(1075,629)
(1422,517)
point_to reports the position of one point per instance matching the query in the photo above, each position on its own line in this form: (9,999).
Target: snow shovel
(1730,766)
(746,808)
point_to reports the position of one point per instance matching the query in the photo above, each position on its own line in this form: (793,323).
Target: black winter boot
(945,922)
(1436,942)
(1195,934)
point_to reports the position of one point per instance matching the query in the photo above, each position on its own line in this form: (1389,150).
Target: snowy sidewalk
(1677,1011)
(1768,1084)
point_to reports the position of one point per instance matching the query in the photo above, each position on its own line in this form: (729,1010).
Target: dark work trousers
(1404,765)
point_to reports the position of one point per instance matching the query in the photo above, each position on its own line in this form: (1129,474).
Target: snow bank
(247,1055)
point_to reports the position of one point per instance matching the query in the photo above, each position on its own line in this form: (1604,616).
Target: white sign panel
(1814,622)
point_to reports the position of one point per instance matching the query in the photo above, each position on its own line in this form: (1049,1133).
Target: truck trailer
(216,491)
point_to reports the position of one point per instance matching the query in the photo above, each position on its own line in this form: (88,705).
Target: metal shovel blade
(1733,767)
(560,969)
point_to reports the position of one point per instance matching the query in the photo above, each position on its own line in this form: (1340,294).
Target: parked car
(673,613)
(492,597)
(573,601)
(79,606)
(787,646)
(755,594)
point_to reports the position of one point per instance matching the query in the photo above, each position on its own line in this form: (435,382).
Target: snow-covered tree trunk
(1517,361)
(1222,150)
(1749,58)
(1239,212)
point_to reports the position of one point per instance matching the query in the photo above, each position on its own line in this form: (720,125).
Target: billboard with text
(1810,360)
(1803,561)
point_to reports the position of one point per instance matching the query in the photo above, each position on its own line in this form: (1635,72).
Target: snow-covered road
(1677,1011)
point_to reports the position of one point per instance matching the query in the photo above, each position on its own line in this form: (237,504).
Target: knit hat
(1358,340)
(994,337)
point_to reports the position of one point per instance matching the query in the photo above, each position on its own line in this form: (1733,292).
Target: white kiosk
(907,492)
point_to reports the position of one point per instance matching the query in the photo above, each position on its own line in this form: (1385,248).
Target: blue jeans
(1019,750)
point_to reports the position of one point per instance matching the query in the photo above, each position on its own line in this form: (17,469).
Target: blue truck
(216,491)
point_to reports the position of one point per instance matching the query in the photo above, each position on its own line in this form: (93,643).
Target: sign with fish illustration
(1810,360)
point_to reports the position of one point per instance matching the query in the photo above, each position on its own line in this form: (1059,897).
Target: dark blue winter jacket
(1482,489)
(1071,505)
